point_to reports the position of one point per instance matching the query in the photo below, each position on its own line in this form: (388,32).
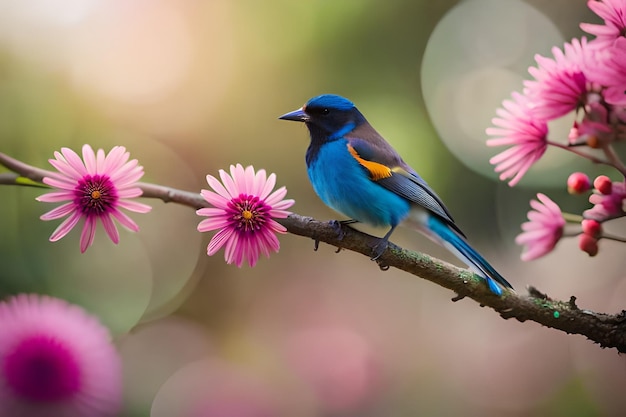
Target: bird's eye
(325,112)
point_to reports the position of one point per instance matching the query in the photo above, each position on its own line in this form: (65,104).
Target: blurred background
(190,87)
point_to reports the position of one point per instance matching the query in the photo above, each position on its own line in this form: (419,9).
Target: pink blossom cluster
(587,77)
(607,198)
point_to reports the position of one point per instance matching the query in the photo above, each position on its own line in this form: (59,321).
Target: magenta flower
(607,67)
(56,361)
(608,201)
(94,189)
(560,85)
(614,14)
(243,211)
(517,126)
(543,230)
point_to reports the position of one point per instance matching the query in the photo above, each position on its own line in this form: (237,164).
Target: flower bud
(578,183)
(593,142)
(592,228)
(588,244)
(603,184)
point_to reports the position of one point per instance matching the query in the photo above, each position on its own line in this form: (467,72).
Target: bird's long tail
(459,246)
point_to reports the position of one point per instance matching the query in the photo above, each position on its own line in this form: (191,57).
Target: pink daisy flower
(560,85)
(614,14)
(243,211)
(543,230)
(94,189)
(56,361)
(516,126)
(608,68)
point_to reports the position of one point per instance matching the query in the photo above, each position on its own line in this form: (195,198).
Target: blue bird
(357,173)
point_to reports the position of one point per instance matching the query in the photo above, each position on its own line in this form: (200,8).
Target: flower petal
(125,221)
(74,161)
(90,159)
(55,197)
(110,228)
(134,206)
(59,212)
(65,227)
(220,238)
(88,233)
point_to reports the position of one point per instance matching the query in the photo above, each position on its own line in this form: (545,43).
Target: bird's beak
(296,115)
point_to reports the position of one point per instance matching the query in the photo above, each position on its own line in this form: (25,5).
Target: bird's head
(328,115)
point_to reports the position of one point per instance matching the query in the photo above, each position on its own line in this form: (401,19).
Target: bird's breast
(345,186)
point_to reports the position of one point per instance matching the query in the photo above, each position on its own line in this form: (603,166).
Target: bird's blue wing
(387,168)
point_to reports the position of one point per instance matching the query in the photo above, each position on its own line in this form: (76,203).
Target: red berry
(592,228)
(578,183)
(603,184)
(588,244)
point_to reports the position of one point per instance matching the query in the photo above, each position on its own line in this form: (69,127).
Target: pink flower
(243,211)
(608,69)
(560,85)
(608,201)
(94,189)
(516,126)
(543,230)
(614,14)
(56,361)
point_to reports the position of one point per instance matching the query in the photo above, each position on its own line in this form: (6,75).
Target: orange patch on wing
(377,171)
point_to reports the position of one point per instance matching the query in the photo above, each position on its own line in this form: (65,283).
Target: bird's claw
(338,225)
(458,297)
(382,266)
(379,249)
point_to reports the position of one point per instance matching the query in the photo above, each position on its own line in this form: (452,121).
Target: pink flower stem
(572,218)
(574,150)
(612,156)
(614,238)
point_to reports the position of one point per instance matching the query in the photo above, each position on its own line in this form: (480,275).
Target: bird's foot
(379,248)
(338,226)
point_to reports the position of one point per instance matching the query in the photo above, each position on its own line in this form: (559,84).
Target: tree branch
(604,329)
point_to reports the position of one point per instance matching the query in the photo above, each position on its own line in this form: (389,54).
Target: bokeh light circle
(477,55)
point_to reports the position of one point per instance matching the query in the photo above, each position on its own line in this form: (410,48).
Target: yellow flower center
(246,214)
(95,194)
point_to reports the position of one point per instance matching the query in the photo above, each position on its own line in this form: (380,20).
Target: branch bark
(607,330)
